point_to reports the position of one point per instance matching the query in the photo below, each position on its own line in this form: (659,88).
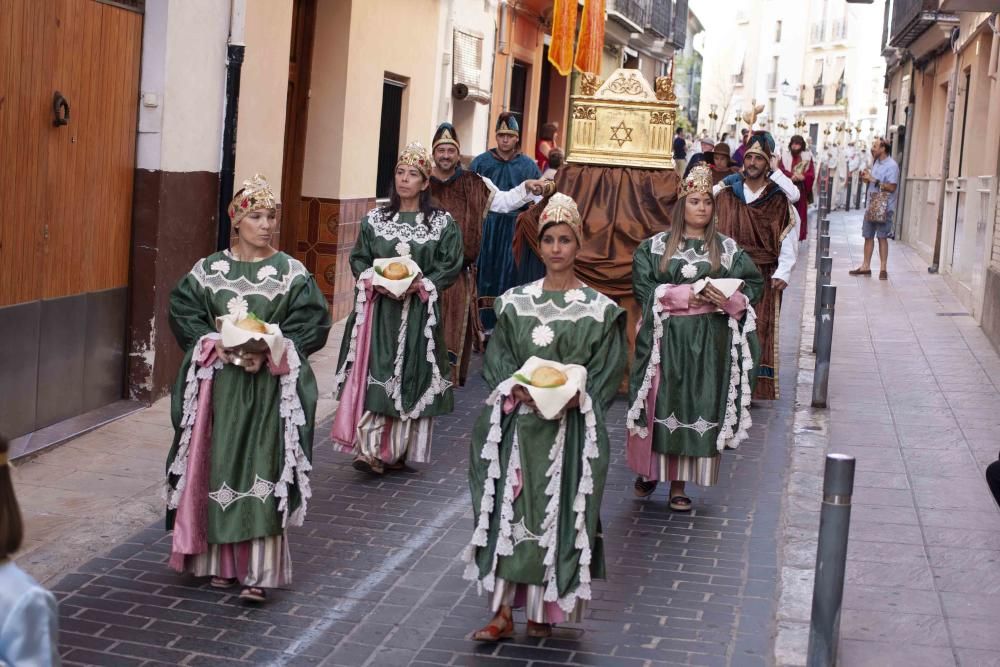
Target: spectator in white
(28,618)
(883,177)
(680,151)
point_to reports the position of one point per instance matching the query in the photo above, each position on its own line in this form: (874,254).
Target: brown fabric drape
(620,207)
(467,198)
(758,229)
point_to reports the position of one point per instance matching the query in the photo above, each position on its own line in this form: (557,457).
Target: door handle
(60,109)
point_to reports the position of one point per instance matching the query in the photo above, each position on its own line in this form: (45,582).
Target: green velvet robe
(696,363)
(250,447)
(579,326)
(437,248)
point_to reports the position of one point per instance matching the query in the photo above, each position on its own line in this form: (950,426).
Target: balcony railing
(658,19)
(667,20)
(633,10)
(911,18)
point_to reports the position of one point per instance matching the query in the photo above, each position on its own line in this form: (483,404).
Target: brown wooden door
(296,116)
(67,189)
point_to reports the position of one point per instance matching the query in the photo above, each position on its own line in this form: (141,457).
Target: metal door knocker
(60,109)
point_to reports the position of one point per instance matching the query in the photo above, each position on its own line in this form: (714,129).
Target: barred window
(467,59)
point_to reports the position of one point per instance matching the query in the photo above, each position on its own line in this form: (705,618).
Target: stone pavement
(914,397)
(378,582)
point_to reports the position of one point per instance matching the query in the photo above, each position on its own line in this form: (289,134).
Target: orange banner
(563,32)
(588,51)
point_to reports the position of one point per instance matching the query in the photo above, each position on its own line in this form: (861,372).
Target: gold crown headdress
(561,209)
(255,195)
(699,179)
(415,155)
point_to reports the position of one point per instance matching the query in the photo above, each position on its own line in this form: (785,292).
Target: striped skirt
(391,440)
(701,470)
(264,562)
(531,597)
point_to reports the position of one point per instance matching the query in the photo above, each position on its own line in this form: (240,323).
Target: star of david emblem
(620,127)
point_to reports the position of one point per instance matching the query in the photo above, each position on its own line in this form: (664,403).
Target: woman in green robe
(238,470)
(393,376)
(537,483)
(689,389)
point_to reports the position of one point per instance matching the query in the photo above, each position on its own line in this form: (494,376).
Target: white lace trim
(359,320)
(739,374)
(522,300)
(550,524)
(438,385)
(216,279)
(658,246)
(226,495)
(660,315)
(192,385)
(296,464)
(392,229)
(700,425)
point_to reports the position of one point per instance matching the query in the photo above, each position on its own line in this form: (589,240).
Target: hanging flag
(563,32)
(588,51)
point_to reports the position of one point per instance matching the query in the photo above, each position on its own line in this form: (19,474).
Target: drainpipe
(908,150)
(505,30)
(234,67)
(949,124)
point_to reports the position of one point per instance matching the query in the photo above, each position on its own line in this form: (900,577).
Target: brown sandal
(491,632)
(253,594)
(222,582)
(539,630)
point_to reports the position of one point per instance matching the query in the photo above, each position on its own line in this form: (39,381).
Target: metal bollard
(831,560)
(824,274)
(824,345)
(822,247)
(824,226)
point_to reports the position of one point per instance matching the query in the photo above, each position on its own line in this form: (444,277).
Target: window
(388,140)
(813,134)
(518,91)
(468,59)
(772,78)
(777,31)
(818,85)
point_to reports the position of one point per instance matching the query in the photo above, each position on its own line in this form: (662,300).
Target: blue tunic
(496,257)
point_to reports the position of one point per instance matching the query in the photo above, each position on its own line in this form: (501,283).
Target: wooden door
(68,188)
(296,116)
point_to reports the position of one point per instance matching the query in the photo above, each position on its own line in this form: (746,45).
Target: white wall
(194,85)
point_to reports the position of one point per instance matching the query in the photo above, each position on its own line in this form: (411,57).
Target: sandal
(643,488)
(539,630)
(883,275)
(222,582)
(680,503)
(370,466)
(491,632)
(860,272)
(253,594)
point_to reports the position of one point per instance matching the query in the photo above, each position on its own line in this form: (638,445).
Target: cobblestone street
(378,578)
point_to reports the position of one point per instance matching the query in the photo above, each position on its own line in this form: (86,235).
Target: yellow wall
(263,88)
(356,45)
